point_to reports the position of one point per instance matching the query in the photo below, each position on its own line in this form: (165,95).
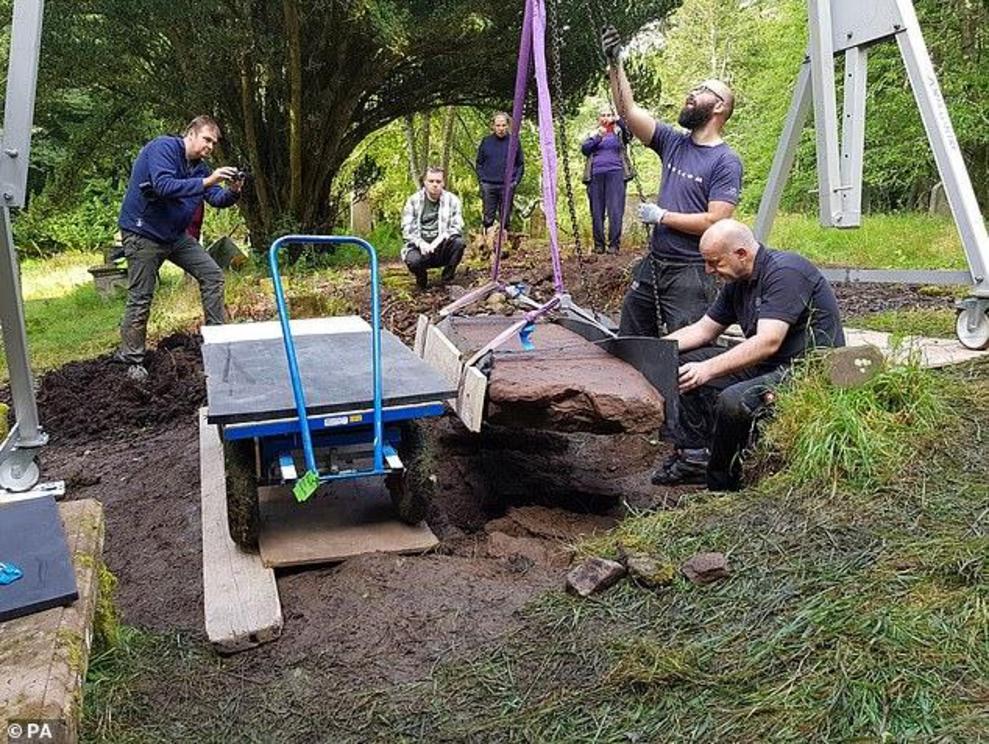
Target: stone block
(705,568)
(594,575)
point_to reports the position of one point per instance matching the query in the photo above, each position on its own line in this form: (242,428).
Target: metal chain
(597,24)
(554,28)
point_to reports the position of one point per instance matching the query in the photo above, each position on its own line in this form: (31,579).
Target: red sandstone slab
(566,383)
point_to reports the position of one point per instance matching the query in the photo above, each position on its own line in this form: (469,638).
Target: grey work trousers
(144,258)
(684,292)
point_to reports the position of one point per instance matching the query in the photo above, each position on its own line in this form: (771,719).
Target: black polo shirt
(783,286)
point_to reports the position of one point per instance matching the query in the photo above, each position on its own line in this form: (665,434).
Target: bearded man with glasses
(701,184)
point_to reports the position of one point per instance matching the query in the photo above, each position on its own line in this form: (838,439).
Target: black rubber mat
(32,539)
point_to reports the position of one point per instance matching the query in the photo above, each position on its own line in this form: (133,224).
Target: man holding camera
(168,184)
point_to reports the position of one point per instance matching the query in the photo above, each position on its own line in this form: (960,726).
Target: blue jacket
(491,156)
(163,209)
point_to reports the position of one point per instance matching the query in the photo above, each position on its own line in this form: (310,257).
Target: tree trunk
(448,135)
(425,156)
(293,42)
(410,142)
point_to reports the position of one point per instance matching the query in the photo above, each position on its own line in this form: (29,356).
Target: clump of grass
(930,322)
(826,437)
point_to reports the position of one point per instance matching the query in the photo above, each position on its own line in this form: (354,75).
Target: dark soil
(376,619)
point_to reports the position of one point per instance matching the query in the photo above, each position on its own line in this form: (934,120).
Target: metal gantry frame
(18,468)
(849,28)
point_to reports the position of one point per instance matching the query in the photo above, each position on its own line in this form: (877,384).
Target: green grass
(856,611)
(67,320)
(929,322)
(823,438)
(885,241)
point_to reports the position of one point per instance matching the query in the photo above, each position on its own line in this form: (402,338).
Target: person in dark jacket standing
(605,177)
(169,182)
(492,154)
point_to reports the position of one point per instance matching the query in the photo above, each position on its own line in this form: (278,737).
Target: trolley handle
(306,485)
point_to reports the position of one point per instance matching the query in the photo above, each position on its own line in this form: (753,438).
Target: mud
(376,619)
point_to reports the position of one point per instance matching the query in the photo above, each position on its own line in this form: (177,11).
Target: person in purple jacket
(701,184)
(605,176)
(169,182)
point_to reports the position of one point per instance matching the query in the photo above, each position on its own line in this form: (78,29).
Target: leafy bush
(89,223)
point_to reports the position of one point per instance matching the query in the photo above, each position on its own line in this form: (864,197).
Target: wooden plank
(422,327)
(240,597)
(470,401)
(931,352)
(44,656)
(342,520)
(440,354)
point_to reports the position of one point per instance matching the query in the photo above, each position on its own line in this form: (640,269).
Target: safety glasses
(705,89)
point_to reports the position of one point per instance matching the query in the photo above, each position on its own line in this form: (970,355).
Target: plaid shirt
(450,220)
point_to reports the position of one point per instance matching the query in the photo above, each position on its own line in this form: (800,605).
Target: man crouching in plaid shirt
(432,227)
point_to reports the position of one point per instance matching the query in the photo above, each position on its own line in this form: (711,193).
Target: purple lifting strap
(532,52)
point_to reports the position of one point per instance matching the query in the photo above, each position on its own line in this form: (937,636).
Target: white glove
(651,214)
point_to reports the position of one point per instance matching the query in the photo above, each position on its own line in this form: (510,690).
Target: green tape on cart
(306,486)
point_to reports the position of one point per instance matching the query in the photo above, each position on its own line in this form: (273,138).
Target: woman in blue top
(605,176)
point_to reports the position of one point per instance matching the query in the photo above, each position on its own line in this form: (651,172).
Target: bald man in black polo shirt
(785,307)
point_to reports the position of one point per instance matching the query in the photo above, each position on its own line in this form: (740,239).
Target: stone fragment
(705,568)
(647,571)
(851,366)
(594,575)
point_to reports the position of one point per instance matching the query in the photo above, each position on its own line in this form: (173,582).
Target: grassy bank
(857,610)
(884,241)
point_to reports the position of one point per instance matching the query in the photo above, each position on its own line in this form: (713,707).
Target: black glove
(611,43)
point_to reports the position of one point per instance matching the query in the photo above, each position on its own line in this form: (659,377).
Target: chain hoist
(597,23)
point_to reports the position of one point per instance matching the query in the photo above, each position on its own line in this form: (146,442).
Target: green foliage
(929,322)
(827,438)
(298,86)
(884,241)
(86,223)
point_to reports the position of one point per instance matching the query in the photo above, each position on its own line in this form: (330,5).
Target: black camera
(148,190)
(242,174)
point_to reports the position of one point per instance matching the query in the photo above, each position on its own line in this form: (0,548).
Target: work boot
(137,373)
(613,250)
(598,249)
(684,467)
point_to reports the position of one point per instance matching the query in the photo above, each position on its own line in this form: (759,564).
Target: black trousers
(606,194)
(720,416)
(491,198)
(447,254)
(684,290)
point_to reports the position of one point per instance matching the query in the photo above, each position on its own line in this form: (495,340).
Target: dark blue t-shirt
(693,176)
(787,287)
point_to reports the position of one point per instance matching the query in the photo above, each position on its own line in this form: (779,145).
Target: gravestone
(361,218)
